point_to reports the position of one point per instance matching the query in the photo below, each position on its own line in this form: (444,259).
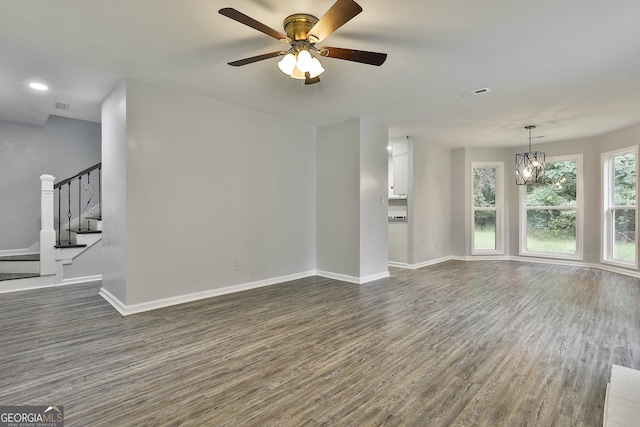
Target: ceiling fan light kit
(299,63)
(303,31)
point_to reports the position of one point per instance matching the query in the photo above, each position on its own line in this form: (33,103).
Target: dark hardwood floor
(492,343)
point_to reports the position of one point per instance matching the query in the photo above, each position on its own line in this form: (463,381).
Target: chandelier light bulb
(297,74)
(535,162)
(304,61)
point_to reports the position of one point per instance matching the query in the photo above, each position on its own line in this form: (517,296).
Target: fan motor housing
(298,25)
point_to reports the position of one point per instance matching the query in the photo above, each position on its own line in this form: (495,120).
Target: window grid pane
(484,187)
(624,235)
(551,231)
(624,184)
(560,187)
(484,232)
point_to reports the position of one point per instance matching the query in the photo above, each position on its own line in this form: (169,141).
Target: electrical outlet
(236,265)
(263,261)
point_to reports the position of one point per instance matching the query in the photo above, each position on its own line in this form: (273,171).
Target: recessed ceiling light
(38,86)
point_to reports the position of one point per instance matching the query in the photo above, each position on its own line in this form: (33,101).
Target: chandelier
(530,165)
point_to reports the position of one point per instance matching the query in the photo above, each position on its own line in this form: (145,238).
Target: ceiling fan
(303,31)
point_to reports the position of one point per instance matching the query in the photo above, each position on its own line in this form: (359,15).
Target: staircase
(28,268)
(19,266)
(81,238)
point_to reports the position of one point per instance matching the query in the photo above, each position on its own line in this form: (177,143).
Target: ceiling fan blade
(362,56)
(308,80)
(230,12)
(253,59)
(340,13)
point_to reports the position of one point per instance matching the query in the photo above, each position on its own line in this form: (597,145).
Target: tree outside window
(551,211)
(487,205)
(619,234)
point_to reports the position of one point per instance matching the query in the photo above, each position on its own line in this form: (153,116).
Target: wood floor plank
(487,343)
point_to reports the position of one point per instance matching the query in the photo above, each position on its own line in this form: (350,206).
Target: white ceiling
(571,67)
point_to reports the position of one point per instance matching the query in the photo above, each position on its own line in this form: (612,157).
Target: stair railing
(79,195)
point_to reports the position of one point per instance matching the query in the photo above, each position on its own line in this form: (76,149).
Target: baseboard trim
(420,264)
(338,276)
(431,262)
(41,282)
(127,310)
(353,279)
(27,284)
(374,277)
(115,302)
(568,263)
(85,279)
(399,264)
(9,252)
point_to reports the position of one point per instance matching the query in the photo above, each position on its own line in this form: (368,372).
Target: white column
(47,232)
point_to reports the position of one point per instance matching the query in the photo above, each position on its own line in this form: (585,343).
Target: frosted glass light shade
(304,61)
(287,64)
(316,68)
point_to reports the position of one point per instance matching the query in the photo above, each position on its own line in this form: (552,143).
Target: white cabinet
(400,174)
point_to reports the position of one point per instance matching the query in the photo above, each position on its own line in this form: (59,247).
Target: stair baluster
(58,239)
(69,211)
(80,203)
(86,208)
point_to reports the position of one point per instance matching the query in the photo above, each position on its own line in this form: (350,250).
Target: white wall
(209,185)
(62,148)
(430,202)
(86,265)
(351,182)
(619,139)
(338,198)
(374,236)
(460,237)
(114,192)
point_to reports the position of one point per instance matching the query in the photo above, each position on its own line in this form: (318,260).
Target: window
(619,243)
(550,220)
(487,208)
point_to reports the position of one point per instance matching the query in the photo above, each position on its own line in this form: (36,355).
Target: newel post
(47,232)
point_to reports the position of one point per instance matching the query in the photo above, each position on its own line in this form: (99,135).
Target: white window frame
(578,208)
(499,209)
(607,160)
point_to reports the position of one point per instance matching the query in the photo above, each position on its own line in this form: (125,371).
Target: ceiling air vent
(61,106)
(480,91)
